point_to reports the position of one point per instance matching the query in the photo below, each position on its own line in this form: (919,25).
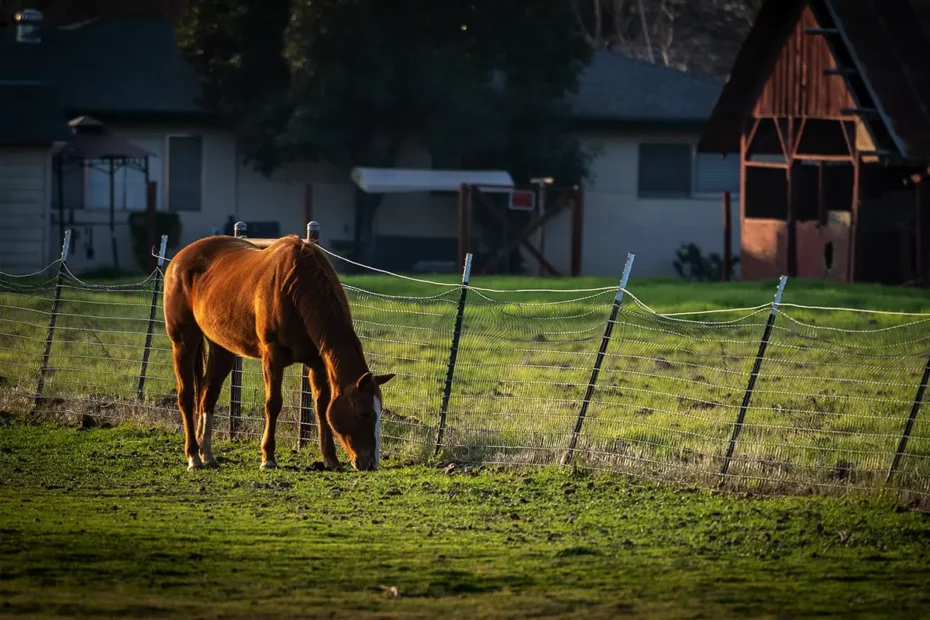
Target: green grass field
(827,412)
(108,522)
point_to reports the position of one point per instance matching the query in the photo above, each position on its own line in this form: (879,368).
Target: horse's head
(355,417)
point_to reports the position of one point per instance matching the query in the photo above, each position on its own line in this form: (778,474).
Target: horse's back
(230,288)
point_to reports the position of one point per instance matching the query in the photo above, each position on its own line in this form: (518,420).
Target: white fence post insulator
(56,302)
(756,367)
(239,229)
(156,290)
(605,341)
(313,232)
(453,353)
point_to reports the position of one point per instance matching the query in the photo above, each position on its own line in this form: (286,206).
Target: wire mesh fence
(831,401)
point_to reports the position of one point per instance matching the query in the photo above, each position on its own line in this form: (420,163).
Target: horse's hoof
(211,464)
(192,465)
(269,465)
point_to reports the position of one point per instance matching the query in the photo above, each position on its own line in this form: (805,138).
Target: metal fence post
(757,365)
(306,396)
(43,370)
(235,376)
(909,426)
(156,289)
(453,353)
(605,340)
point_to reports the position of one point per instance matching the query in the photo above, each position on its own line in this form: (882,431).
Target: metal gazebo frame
(93,146)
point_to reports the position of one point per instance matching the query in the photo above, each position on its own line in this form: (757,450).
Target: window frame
(167,172)
(658,195)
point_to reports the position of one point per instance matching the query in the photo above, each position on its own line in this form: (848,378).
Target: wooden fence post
(727,237)
(56,302)
(156,289)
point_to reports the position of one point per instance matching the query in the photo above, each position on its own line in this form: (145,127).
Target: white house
(649,191)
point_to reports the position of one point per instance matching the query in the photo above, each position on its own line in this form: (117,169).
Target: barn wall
(812,243)
(764,243)
(25,181)
(797,85)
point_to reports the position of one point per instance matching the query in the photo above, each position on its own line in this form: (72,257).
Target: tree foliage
(479,83)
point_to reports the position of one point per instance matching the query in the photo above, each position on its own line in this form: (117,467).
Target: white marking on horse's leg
(377,431)
(206,446)
(194,462)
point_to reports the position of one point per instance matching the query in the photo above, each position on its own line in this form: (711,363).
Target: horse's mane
(314,287)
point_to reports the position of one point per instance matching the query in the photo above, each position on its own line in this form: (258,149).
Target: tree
(699,35)
(479,83)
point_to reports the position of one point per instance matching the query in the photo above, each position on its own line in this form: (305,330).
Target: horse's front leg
(273,374)
(321,397)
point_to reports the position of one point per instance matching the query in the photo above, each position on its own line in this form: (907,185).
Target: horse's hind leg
(219,365)
(273,374)
(186,348)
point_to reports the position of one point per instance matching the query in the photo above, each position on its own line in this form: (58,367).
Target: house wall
(25,175)
(617,220)
(91,230)
(228,191)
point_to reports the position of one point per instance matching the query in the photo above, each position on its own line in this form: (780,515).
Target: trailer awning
(396,180)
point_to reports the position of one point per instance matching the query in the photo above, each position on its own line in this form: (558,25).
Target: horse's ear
(366,380)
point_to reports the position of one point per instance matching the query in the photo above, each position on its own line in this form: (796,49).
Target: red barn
(828,107)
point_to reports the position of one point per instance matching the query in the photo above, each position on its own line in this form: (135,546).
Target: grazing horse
(282,304)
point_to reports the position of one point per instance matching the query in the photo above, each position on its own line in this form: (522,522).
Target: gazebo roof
(91,140)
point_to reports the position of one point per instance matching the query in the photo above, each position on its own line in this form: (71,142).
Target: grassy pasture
(107,522)
(828,409)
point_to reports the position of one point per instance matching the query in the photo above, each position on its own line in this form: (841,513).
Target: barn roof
(888,42)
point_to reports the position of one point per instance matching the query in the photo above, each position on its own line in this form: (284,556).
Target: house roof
(108,68)
(125,68)
(30,115)
(888,42)
(622,89)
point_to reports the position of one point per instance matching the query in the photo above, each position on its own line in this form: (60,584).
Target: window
(665,170)
(185,173)
(714,175)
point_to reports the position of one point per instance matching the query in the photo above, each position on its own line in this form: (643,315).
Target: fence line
(513,376)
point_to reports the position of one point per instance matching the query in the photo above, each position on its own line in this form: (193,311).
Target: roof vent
(28,26)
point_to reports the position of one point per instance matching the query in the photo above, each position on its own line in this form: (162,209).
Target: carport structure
(520,212)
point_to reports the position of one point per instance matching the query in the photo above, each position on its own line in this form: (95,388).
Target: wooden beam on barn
(859,111)
(843,71)
(822,31)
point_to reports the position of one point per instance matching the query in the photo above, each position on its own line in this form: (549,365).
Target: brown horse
(284,305)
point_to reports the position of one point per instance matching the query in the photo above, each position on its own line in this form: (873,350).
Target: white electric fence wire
(827,410)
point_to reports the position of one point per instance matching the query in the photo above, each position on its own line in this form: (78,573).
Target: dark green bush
(165,224)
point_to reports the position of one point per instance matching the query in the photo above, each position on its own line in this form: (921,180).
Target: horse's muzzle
(365,464)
